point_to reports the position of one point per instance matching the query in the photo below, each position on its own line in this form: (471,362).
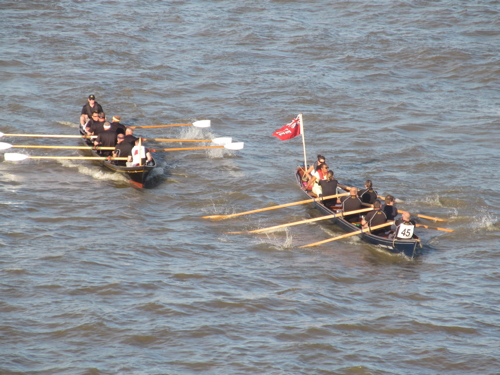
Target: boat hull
(403,247)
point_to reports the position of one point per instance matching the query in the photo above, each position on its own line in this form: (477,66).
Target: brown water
(100,278)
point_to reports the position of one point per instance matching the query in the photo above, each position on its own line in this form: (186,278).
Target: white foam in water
(95,172)
(485,221)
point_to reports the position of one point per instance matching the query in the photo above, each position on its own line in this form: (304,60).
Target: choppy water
(100,278)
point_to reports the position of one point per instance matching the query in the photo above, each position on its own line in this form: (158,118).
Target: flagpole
(303,140)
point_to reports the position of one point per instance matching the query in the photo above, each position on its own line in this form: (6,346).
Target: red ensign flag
(289,131)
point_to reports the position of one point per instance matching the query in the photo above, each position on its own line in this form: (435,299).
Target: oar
(422,216)
(349,234)
(196,124)
(19,157)
(6,146)
(302,222)
(436,228)
(219,141)
(222,217)
(230,146)
(47,135)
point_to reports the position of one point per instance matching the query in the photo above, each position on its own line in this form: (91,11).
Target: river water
(98,277)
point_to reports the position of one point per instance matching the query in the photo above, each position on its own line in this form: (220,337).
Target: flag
(289,131)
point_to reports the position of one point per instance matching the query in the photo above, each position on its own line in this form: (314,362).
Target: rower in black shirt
(106,139)
(89,108)
(351,203)
(389,208)
(368,195)
(122,149)
(374,218)
(116,126)
(328,187)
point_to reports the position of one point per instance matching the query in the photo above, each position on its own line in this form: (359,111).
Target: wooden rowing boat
(405,247)
(136,175)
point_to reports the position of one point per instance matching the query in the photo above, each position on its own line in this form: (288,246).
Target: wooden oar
(19,157)
(223,217)
(47,135)
(349,234)
(436,228)
(229,146)
(196,124)
(418,215)
(6,146)
(219,141)
(303,221)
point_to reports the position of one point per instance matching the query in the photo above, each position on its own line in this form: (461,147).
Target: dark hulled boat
(405,247)
(136,175)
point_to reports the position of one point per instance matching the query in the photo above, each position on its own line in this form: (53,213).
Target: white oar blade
(5,146)
(202,124)
(1,134)
(9,156)
(220,141)
(234,146)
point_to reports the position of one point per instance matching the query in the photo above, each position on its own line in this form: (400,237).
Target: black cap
(91,97)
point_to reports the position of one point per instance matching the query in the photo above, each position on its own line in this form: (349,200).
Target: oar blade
(222,140)
(202,124)
(5,146)
(1,134)
(11,156)
(234,146)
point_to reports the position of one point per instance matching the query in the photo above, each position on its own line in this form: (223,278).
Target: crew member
(89,108)
(122,149)
(140,155)
(374,218)
(116,126)
(91,123)
(389,208)
(312,168)
(328,187)
(129,136)
(404,227)
(106,139)
(368,195)
(351,202)
(318,174)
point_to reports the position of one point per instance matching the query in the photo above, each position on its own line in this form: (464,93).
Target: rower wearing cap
(106,139)
(90,107)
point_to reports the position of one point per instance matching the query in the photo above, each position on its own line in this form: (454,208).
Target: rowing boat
(394,246)
(137,175)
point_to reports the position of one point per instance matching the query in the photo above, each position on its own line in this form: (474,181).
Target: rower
(389,208)
(106,139)
(116,126)
(404,227)
(140,155)
(374,218)
(328,187)
(123,149)
(90,107)
(368,195)
(129,136)
(312,168)
(351,203)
